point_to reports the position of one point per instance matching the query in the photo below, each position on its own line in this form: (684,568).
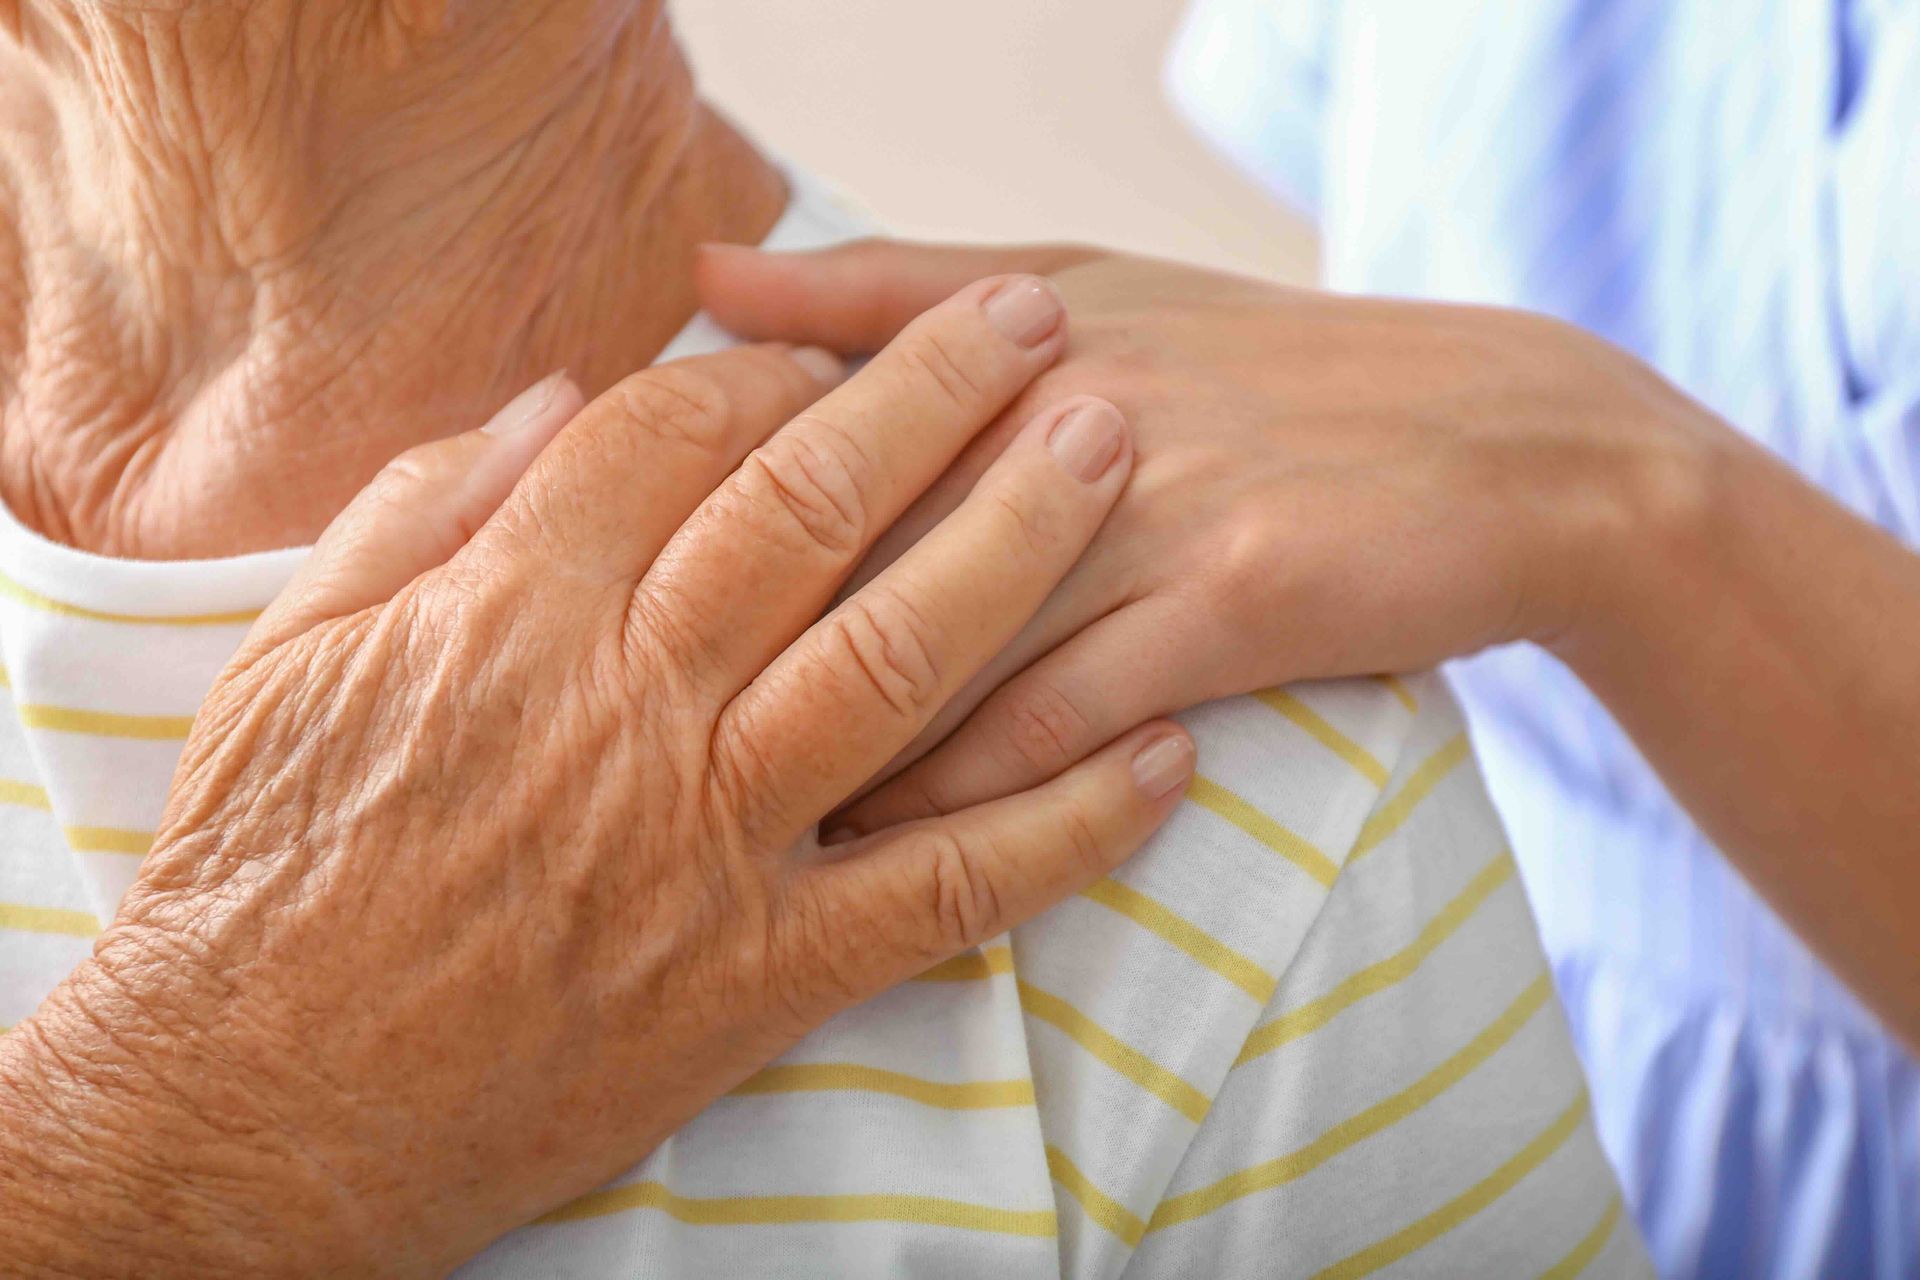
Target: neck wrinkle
(220,369)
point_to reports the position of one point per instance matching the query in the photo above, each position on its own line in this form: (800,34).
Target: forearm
(1757,641)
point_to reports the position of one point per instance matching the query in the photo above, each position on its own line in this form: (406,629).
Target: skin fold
(250,253)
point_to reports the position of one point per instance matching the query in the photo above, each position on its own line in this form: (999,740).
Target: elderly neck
(249,253)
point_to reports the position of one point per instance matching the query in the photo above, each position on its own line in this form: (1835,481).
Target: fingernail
(1163,766)
(529,408)
(821,363)
(1088,439)
(1025,310)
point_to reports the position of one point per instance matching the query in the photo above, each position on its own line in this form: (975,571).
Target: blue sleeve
(1875,176)
(1252,76)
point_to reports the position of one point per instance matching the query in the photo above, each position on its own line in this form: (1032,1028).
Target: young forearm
(1757,640)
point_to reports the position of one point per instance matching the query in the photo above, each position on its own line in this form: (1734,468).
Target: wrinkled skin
(249,253)
(491,858)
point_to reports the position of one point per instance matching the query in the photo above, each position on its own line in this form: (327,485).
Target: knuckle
(1044,729)
(890,646)
(813,473)
(932,361)
(409,473)
(966,905)
(745,785)
(815,975)
(1247,551)
(1080,837)
(1033,527)
(674,406)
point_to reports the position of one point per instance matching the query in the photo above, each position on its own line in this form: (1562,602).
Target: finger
(864,681)
(637,460)
(939,501)
(856,297)
(763,557)
(1078,604)
(1049,717)
(420,510)
(902,901)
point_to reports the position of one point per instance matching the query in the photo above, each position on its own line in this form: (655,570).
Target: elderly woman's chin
(231,288)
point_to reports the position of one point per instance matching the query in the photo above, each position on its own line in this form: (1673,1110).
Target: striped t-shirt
(1309,1031)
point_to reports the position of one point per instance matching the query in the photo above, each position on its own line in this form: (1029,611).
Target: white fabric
(1337,894)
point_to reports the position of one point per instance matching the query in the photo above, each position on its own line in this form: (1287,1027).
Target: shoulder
(1413,1046)
(1320,1000)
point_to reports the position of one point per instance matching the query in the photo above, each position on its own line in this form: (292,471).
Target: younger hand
(1326,486)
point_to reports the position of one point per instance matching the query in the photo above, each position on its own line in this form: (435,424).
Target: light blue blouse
(1731,189)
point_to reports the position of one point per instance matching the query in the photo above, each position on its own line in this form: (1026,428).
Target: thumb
(853,298)
(416,513)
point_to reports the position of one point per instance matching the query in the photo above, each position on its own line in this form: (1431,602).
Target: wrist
(126,1145)
(1663,492)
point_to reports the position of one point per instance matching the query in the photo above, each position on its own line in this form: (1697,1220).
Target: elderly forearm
(106,1169)
(1757,641)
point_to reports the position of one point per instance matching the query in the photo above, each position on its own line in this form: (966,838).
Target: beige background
(991,119)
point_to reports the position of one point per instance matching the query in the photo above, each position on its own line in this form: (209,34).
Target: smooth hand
(491,859)
(1325,486)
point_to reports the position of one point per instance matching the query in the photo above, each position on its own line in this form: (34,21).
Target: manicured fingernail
(1026,310)
(821,363)
(1088,439)
(528,409)
(1163,766)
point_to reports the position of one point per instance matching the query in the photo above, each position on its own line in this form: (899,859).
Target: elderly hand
(1326,486)
(491,860)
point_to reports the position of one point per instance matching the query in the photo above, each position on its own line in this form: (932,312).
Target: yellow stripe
(24,919)
(741,1211)
(1589,1247)
(1420,1234)
(106,724)
(1186,935)
(1364,762)
(24,795)
(830,1077)
(47,604)
(6,679)
(1098,1205)
(1116,1053)
(1381,1116)
(109,840)
(1210,795)
(974,966)
(1388,818)
(1375,978)
(1398,688)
